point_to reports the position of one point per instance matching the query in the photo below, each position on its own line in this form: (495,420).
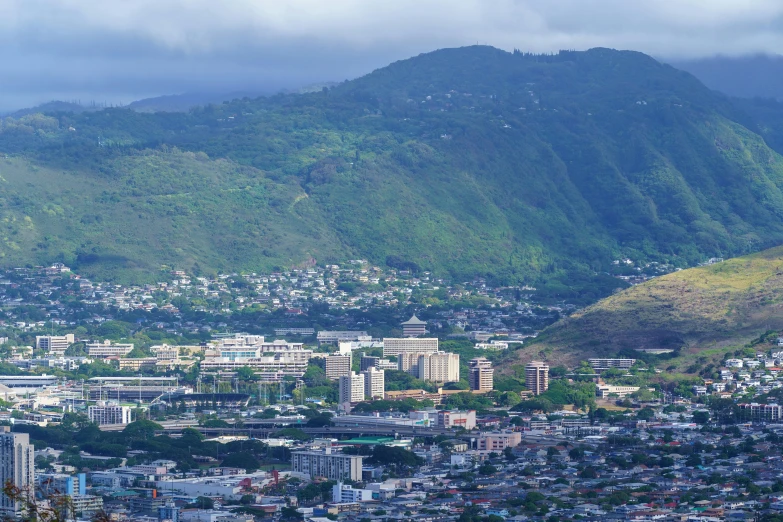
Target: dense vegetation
(77,434)
(472,161)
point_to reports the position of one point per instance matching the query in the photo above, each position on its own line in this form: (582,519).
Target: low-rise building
(54,344)
(605,364)
(108,349)
(498,441)
(342,493)
(138,363)
(457,419)
(607,390)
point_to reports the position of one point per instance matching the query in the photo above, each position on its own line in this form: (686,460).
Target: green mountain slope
(467,162)
(691,311)
(175,208)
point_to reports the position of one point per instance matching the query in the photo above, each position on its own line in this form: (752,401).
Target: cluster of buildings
(53,291)
(491,461)
(417,356)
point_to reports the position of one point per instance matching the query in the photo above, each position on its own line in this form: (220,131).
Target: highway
(267,430)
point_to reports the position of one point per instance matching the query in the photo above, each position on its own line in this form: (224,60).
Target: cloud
(134,48)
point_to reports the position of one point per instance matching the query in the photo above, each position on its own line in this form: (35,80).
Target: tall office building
(537,377)
(396,346)
(338,365)
(17,465)
(351,388)
(480,374)
(374,383)
(54,344)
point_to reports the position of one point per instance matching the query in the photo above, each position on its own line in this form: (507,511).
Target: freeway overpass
(325,431)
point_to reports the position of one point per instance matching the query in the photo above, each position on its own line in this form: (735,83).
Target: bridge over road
(264,431)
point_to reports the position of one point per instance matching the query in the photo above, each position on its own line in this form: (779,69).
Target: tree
(289,513)
(204,503)
(241,460)
(509,399)
(141,429)
(701,416)
(589,473)
(320,421)
(693,460)
(487,469)
(643,394)
(113,330)
(59,508)
(645,414)
(246,374)
(292,433)
(576,453)
(393,456)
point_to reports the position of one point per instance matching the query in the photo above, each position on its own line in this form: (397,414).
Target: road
(266,431)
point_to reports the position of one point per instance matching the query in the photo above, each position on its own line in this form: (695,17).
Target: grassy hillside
(472,161)
(696,312)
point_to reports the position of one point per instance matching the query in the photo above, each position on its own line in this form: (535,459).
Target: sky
(117,51)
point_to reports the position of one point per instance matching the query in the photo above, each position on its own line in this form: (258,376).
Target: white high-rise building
(396,346)
(54,344)
(338,365)
(436,367)
(374,383)
(334,466)
(109,414)
(351,388)
(440,367)
(17,465)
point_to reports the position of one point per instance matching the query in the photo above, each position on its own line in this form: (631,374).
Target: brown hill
(691,311)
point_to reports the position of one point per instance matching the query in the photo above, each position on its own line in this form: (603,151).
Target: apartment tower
(351,388)
(17,465)
(537,377)
(480,374)
(374,383)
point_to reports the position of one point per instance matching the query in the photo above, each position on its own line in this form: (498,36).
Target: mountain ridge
(471,161)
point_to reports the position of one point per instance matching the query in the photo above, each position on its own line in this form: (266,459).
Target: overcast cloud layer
(122,50)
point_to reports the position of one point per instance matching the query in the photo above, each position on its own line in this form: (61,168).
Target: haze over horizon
(121,52)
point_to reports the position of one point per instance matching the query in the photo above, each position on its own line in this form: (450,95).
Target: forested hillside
(472,161)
